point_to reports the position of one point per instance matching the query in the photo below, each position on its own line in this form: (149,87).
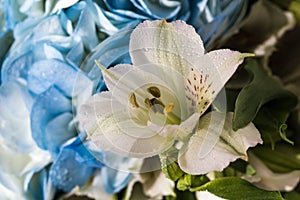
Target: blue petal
(119,5)
(114,180)
(158,10)
(210,29)
(66,23)
(74,12)
(76,54)
(15,68)
(66,172)
(84,154)
(12,14)
(111,51)
(84,23)
(58,131)
(46,73)
(117,16)
(46,107)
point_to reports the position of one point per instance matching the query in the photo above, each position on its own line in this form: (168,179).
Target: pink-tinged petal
(170,44)
(226,144)
(202,85)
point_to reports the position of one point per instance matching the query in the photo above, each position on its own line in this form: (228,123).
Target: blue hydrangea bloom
(212,19)
(44,60)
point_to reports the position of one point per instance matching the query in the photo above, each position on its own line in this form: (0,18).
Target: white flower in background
(205,195)
(155,185)
(156,102)
(266,179)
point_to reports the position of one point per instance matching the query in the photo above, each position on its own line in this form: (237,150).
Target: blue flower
(41,73)
(212,19)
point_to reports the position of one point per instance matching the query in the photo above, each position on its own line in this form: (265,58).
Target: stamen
(157,106)
(148,103)
(155,101)
(169,108)
(154,91)
(132,100)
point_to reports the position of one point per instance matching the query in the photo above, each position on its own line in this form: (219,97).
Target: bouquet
(140,99)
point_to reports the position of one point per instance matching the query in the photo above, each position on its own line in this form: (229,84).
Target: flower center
(155,105)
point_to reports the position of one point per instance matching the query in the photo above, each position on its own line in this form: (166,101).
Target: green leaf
(270,121)
(234,188)
(292,195)
(170,165)
(186,195)
(295,8)
(188,181)
(262,89)
(284,158)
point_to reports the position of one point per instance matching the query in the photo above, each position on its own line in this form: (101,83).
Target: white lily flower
(158,100)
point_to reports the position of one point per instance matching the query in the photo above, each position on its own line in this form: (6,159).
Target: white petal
(223,143)
(86,113)
(269,180)
(124,79)
(202,85)
(111,127)
(174,83)
(155,185)
(187,126)
(7,194)
(169,44)
(226,62)
(208,75)
(118,141)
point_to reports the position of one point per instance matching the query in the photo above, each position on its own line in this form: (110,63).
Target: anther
(148,103)
(169,108)
(154,91)
(132,100)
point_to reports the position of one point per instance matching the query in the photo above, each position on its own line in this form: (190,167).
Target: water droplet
(65,172)
(58,177)
(3,124)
